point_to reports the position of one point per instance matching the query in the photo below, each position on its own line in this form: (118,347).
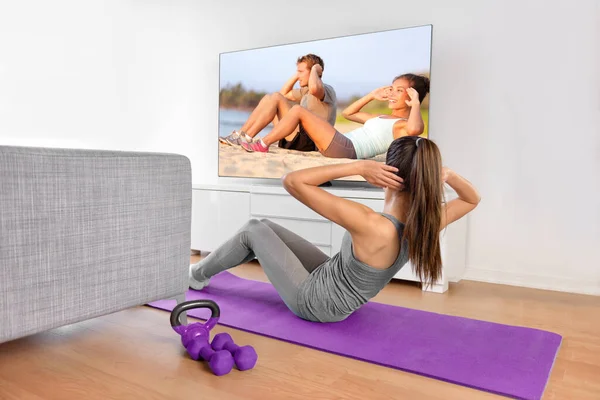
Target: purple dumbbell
(220,362)
(220,340)
(245,356)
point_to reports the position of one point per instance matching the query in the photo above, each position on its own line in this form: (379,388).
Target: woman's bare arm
(468,198)
(353,113)
(304,186)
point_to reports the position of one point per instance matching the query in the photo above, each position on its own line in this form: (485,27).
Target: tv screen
(301,105)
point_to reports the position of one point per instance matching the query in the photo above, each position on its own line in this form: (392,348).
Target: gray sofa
(84,233)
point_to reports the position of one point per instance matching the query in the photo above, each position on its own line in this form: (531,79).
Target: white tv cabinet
(219,210)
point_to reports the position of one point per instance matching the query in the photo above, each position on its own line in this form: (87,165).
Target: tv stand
(219,210)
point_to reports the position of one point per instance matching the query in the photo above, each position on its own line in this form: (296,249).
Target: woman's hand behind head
(381,175)
(382,93)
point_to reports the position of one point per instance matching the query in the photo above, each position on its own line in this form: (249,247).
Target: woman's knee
(253,222)
(270,224)
(250,230)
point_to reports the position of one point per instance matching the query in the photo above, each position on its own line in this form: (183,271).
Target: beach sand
(234,161)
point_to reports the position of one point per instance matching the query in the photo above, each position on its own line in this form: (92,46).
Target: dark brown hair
(418,82)
(419,163)
(310,60)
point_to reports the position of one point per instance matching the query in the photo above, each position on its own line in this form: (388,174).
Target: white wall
(514,86)
(122,75)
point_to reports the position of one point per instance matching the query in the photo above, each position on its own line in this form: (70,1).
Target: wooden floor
(134,354)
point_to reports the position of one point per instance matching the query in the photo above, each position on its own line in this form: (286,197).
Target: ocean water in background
(230,120)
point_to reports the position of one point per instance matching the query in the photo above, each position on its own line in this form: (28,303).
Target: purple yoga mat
(502,359)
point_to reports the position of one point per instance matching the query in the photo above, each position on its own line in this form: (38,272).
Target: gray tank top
(342,284)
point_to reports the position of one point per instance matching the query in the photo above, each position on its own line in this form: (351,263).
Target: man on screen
(314,95)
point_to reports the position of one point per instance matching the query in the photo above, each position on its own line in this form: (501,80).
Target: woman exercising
(376,245)
(374,137)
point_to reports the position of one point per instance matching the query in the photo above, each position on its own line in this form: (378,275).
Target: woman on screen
(404,98)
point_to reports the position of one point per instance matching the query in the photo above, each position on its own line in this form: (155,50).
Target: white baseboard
(560,284)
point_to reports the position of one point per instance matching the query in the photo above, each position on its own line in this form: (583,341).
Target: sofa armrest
(85,233)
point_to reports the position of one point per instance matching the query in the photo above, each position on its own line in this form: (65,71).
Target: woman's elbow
(415,130)
(346,114)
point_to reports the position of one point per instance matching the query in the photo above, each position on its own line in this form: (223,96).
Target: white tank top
(374,137)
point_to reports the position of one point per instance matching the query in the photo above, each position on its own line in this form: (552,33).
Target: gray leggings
(286,258)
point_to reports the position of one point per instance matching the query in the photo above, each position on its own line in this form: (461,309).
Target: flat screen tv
(293,106)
